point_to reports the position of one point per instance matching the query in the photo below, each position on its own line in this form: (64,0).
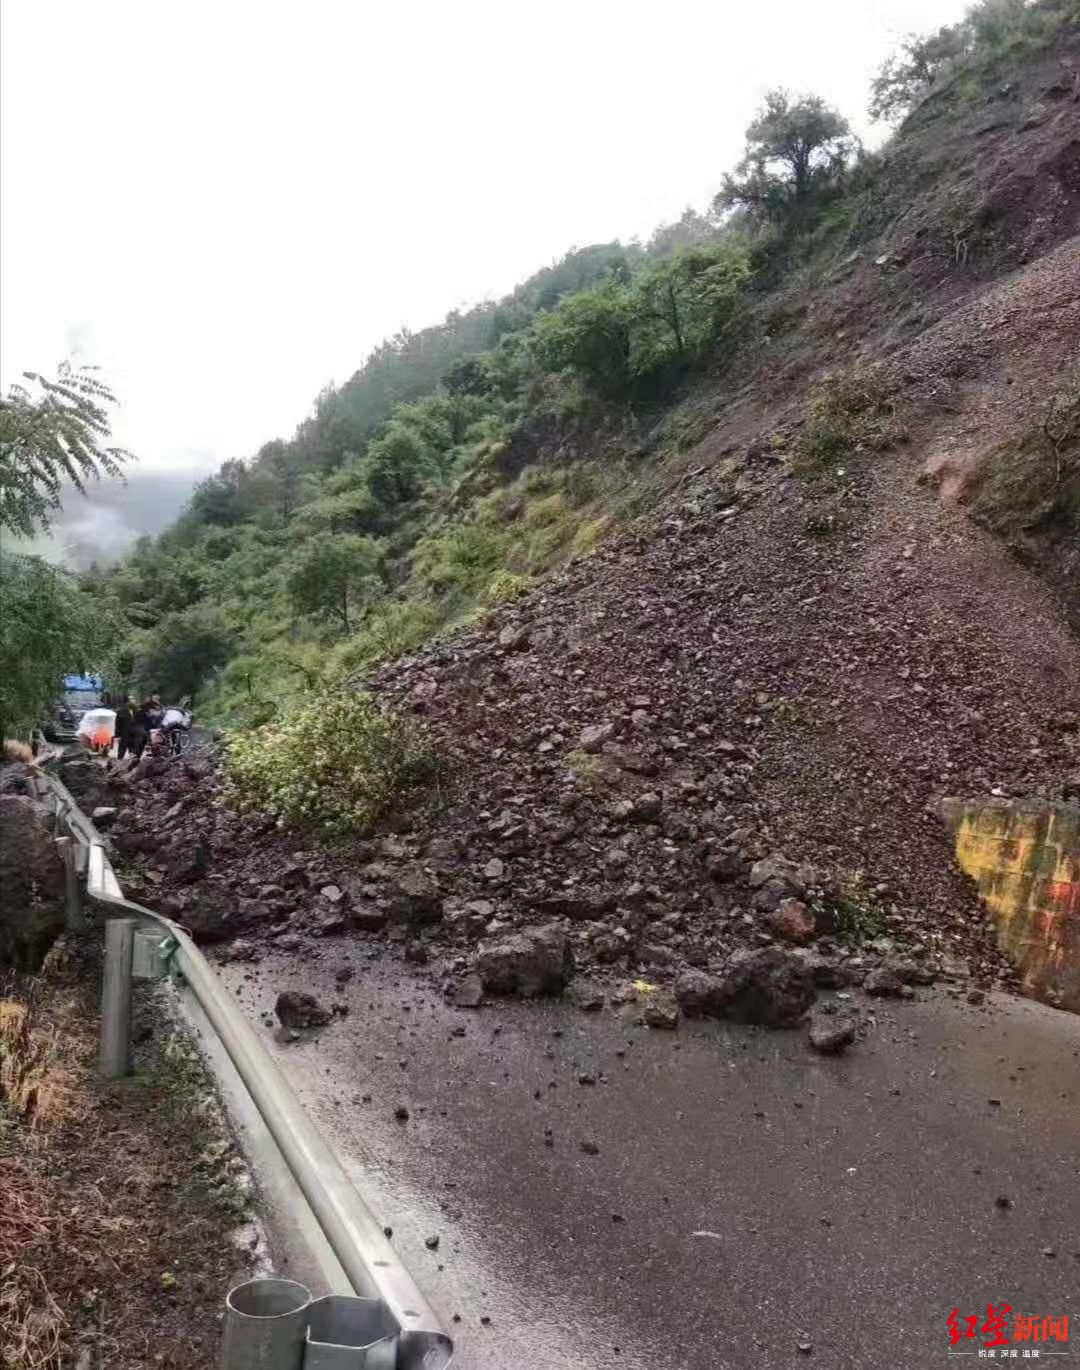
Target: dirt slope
(766,687)
(807,693)
(820,693)
(768,664)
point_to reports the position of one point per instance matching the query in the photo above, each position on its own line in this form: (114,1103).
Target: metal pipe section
(265,1326)
(350,1334)
(115,1057)
(357,1240)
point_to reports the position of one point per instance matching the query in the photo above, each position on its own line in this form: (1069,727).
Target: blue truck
(81,692)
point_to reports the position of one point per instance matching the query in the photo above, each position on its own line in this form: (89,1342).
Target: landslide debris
(726,733)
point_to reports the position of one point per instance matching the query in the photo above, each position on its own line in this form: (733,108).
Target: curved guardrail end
(424,1351)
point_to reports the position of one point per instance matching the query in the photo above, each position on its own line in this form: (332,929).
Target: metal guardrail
(373,1268)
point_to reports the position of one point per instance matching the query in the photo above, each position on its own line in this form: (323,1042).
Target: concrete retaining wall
(1025,860)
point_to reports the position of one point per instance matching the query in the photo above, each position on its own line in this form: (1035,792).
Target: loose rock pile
(709,757)
(755,939)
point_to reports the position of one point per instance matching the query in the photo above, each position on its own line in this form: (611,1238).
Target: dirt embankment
(119,1203)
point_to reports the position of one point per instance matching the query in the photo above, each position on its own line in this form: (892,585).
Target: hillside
(463,462)
(781,630)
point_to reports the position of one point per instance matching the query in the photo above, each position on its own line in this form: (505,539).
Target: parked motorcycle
(175,730)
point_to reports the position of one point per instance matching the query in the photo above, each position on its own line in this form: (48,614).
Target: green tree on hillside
(333,575)
(396,463)
(49,627)
(52,431)
(691,229)
(345,504)
(908,75)
(180,652)
(616,335)
(589,332)
(994,23)
(492,376)
(221,500)
(470,376)
(794,146)
(691,294)
(580,269)
(989,29)
(282,468)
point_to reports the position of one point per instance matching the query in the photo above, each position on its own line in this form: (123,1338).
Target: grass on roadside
(43,1061)
(39,1065)
(100,1239)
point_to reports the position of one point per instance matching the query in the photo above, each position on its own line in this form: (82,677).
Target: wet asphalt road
(747,1195)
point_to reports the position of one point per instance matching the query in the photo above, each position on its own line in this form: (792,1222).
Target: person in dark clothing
(124,724)
(140,730)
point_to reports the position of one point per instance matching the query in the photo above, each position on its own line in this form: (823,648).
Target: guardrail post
(351,1334)
(265,1323)
(116,998)
(72,899)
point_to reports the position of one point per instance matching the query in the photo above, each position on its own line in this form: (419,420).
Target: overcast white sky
(227,205)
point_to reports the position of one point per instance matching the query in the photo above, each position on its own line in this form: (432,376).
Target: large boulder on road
(699,994)
(150,768)
(831,1034)
(31,882)
(297,1010)
(89,781)
(82,775)
(131,841)
(769,986)
(14,779)
(189,861)
(210,915)
(793,921)
(536,961)
(414,897)
(776,879)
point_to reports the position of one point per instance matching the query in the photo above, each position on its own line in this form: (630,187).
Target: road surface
(750,1204)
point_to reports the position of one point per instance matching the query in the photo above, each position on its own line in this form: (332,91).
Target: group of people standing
(135,723)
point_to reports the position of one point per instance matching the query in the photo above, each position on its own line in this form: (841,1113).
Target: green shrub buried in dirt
(588,771)
(504,588)
(858,916)
(850,409)
(1028,489)
(336,763)
(589,535)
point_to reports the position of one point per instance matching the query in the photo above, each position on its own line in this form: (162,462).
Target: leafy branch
(52,431)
